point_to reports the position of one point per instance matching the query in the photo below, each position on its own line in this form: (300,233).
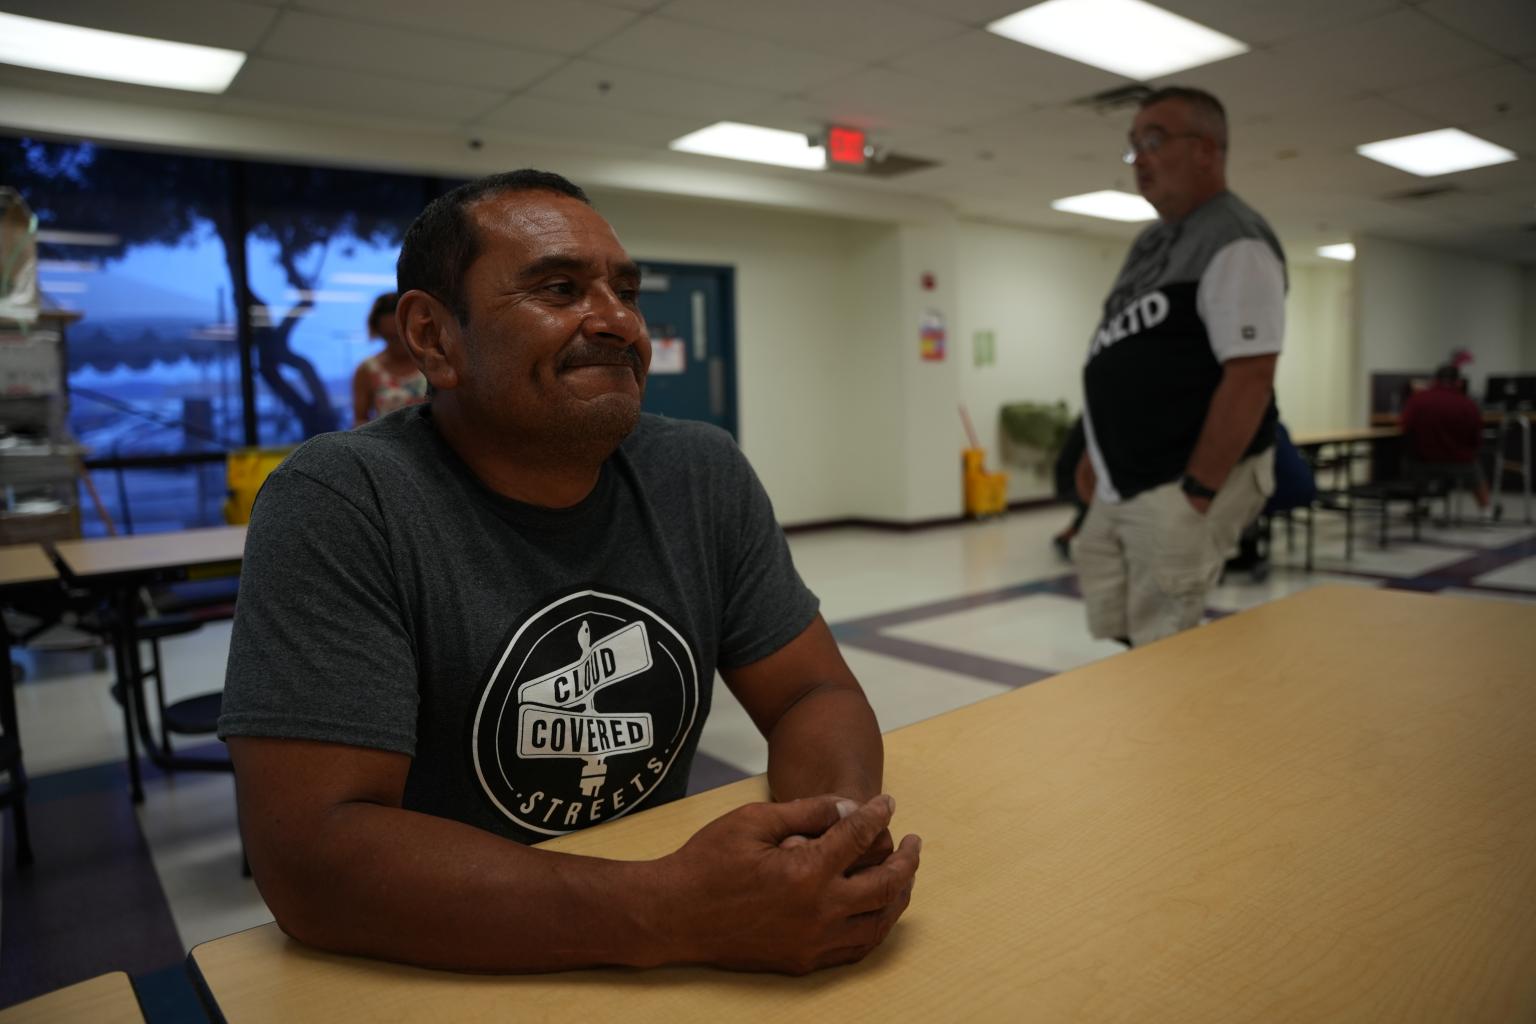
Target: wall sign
(932,337)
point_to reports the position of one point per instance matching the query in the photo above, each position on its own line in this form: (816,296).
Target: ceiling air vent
(1118,98)
(888,165)
(1428,192)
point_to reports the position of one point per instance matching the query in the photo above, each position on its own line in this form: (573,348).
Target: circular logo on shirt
(584,714)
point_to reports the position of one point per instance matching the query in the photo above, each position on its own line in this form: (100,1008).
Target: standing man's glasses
(1152,142)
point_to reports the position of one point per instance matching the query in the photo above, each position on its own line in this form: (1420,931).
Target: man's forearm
(393,884)
(1237,408)
(828,742)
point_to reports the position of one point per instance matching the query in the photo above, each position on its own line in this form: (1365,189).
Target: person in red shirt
(1444,429)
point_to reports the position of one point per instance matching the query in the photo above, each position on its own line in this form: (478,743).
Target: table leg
(125,650)
(18,772)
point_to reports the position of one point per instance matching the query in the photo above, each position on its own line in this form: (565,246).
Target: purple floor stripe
(1066,585)
(91,903)
(975,665)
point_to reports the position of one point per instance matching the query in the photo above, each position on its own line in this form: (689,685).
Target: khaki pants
(1145,565)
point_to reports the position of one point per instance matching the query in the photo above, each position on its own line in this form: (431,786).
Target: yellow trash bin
(246,470)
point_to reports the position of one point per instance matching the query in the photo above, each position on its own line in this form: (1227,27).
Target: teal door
(689,310)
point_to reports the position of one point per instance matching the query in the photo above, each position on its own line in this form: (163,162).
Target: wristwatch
(1195,489)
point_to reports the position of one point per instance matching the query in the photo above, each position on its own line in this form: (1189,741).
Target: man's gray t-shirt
(547,670)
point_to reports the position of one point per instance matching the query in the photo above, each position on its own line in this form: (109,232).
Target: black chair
(14,794)
(175,610)
(1411,492)
(1447,479)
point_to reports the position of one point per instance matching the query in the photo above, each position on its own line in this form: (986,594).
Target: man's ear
(433,336)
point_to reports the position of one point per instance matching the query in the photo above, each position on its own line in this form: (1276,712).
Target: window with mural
(165,255)
(322,245)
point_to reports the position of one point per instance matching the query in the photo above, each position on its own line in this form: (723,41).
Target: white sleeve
(1241,299)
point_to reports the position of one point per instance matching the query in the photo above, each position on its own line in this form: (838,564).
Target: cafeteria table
(1323,808)
(115,568)
(107,999)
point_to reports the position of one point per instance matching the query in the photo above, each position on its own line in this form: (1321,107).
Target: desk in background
(115,568)
(108,999)
(1320,809)
(1351,442)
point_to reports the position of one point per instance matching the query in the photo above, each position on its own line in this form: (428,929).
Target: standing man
(495,618)
(1179,385)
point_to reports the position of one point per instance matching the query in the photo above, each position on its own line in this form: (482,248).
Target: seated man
(1444,430)
(495,618)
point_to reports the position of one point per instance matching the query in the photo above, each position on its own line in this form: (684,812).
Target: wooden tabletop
(1320,809)
(150,552)
(108,999)
(25,563)
(1344,435)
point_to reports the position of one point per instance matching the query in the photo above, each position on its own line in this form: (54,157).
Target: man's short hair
(442,241)
(1449,373)
(1209,115)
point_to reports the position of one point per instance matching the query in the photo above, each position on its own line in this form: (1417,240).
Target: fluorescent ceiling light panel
(1108,204)
(736,141)
(1128,37)
(72,50)
(1439,152)
(1342,251)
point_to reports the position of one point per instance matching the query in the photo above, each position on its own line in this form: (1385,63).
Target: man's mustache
(601,355)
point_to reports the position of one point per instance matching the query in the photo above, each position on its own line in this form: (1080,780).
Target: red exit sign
(845,146)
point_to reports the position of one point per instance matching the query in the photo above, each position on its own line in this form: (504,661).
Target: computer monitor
(1511,391)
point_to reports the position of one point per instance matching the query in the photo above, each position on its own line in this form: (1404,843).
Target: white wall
(1315,381)
(1417,305)
(1041,296)
(803,297)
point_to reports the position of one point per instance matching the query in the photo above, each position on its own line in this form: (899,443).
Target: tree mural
(151,198)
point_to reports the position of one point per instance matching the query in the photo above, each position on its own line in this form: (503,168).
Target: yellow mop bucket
(246,470)
(986,494)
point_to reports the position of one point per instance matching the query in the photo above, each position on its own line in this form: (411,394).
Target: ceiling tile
(1262,83)
(1393,51)
(988,63)
(334,42)
(694,51)
(1476,209)
(303,85)
(1335,127)
(1263,22)
(976,13)
(1506,90)
(1518,135)
(1508,26)
(1078,136)
(878,94)
(569,26)
(858,31)
(226,23)
(540,117)
(651,92)
(634,5)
